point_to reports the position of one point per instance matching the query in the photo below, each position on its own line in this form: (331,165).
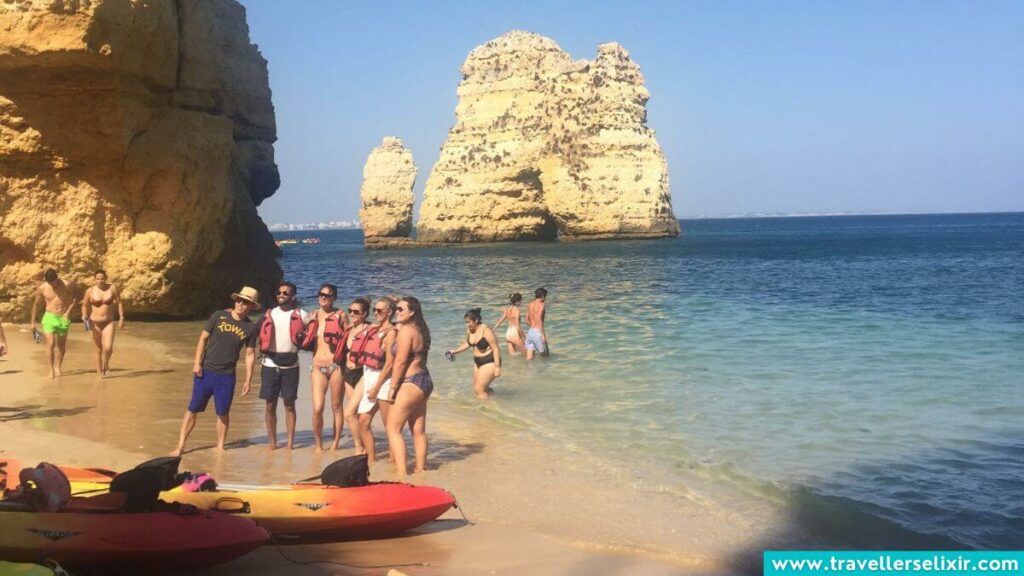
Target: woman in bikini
(325,374)
(514,334)
(352,370)
(486,353)
(98,312)
(411,384)
(377,383)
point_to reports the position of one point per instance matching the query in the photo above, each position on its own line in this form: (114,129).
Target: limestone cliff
(388,178)
(135,137)
(545,146)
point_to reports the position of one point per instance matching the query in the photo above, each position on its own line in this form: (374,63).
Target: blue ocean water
(866,373)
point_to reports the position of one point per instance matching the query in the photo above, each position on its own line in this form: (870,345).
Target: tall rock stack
(545,146)
(136,137)
(387,198)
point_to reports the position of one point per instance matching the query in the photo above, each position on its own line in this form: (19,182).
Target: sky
(760,107)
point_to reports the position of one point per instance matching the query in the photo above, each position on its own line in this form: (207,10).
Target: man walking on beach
(57,299)
(281,332)
(536,338)
(220,344)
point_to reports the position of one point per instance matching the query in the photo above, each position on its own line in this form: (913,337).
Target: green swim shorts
(55,324)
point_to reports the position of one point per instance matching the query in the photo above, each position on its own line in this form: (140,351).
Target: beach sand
(537,509)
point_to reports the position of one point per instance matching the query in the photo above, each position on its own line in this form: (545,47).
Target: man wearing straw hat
(220,344)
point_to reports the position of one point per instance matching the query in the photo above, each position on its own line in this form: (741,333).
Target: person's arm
(86,304)
(493,341)
(462,347)
(197,365)
(71,305)
(120,307)
(35,308)
(403,358)
(250,364)
(502,318)
(3,341)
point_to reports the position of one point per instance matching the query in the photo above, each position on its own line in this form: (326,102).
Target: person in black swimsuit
(486,353)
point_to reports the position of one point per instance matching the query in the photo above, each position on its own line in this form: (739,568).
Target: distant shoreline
(279,228)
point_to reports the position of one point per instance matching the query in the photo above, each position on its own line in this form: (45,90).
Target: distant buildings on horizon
(339,225)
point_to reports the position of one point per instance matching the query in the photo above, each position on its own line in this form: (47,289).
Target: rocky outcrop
(545,147)
(388,178)
(136,137)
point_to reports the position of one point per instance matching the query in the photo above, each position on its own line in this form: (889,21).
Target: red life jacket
(296,330)
(345,349)
(334,333)
(367,348)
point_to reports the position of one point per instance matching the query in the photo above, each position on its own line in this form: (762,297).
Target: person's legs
(482,378)
(365,424)
(271,417)
(187,424)
(270,390)
(419,434)
(223,421)
(51,348)
(108,346)
(318,388)
(409,395)
(289,393)
(289,422)
(62,347)
(352,415)
(223,395)
(337,406)
(97,339)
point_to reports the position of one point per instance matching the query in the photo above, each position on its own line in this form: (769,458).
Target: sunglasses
(284,293)
(356,312)
(322,295)
(400,309)
(380,310)
(246,302)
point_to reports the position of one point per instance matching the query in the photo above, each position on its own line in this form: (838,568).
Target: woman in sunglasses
(411,385)
(330,330)
(377,364)
(352,368)
(486,354)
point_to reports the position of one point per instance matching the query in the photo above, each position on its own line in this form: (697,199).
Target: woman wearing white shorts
(375,392)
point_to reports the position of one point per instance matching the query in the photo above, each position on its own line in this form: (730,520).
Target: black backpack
(143,484)
(347,472)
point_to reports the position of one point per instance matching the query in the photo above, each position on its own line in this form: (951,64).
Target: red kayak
(89,533)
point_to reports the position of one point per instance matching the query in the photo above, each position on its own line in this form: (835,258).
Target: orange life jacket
(368,348)
(296,329)
(350,350)
(334,332)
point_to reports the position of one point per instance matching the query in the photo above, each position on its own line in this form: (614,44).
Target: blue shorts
(534,342)
(220,386)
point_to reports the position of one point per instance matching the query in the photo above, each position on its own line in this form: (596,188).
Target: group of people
(358,356)
(57,299)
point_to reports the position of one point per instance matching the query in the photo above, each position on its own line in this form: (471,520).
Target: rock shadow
(48,413)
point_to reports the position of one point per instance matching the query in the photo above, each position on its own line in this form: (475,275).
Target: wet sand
(537,508)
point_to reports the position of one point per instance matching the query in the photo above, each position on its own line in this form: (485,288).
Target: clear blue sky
(760,107)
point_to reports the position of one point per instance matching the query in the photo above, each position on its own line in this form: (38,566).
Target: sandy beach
(535,508)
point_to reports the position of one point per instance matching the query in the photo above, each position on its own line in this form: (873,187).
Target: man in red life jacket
(281,333)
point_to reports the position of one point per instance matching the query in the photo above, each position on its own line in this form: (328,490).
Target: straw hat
(248,294)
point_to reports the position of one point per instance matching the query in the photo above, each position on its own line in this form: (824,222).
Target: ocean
(864,372)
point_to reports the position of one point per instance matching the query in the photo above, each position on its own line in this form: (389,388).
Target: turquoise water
(866,373)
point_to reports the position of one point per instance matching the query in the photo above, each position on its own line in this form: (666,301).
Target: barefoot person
(411,384)
(220,344)
(377,362)
(98,310)
(328,331)
(281,334)
(486,353)
(536,338)
(514,334)
(3,341)
(57,299)
(358,330)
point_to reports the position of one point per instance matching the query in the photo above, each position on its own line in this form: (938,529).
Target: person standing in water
(536,338)
(352,367)
(57,299)
(281,333)
(98,310)
(486,353)
(514,334)
(328,332)
(220,345)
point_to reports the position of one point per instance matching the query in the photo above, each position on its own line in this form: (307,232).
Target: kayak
(89,532)
(303,513)
(23,569)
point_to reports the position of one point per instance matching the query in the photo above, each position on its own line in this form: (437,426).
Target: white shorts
(370,377)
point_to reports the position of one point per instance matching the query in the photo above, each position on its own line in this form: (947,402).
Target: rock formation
(386,194)
(545,146)
(135,137)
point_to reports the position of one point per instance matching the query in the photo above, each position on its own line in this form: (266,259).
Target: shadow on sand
(33,412)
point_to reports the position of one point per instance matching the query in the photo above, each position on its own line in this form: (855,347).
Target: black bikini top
(481,344)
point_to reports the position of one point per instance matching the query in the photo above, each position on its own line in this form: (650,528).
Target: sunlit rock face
(136,137)
(545,146)
(386,195)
